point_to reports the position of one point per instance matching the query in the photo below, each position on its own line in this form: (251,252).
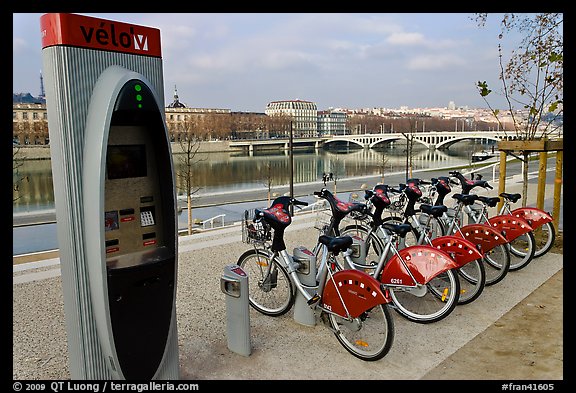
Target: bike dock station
(234,284)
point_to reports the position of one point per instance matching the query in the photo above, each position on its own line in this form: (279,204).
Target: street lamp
(291,150)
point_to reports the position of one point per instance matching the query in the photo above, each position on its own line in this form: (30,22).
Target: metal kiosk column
(115,197)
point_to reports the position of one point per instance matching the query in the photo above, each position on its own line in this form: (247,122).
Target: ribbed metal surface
(69,76)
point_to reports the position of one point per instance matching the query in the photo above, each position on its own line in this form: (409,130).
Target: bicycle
(422,280)
(471,271)
(518,232)
(351,303)
(490,239)
(538,219)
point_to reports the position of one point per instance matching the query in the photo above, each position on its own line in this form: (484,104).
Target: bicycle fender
(510,226)
(461,250)
(358,290)
(425,262)
(535,217)
(482,235)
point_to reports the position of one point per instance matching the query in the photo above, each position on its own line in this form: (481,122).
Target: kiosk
(115,197)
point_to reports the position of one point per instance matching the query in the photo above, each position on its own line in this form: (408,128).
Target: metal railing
(211,221)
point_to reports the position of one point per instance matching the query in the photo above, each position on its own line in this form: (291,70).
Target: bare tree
(409,146)
(18,179)
(532,78)
(189,143)
(268,179)
(382,165)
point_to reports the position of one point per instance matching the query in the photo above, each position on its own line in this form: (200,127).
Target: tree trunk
(525,178)
(189,203)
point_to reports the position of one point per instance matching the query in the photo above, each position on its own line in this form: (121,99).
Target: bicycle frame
(534,216)
(345,293)
(461,250)
(408,267)
(510,227)
(480,234)
(398,272)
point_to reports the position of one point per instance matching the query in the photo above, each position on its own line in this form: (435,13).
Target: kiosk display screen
(125,161)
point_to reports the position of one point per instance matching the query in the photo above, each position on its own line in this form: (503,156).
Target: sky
(243,61)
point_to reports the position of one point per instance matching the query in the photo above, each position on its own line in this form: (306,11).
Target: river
(219,173)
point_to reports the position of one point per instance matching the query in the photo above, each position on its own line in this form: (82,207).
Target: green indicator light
(139,106)
(137,87)
(138,97)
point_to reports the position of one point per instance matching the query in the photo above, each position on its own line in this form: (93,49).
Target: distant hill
(27,98)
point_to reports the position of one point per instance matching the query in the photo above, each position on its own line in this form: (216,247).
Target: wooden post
(502,178)
(541,180)
(557,188)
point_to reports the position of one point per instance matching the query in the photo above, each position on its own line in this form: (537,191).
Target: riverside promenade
(514,331)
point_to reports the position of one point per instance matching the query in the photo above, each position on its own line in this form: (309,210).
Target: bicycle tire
(545,236)
(522,251)
(472,278)
(496,264)
(270,294)
(368,337)
(430,303)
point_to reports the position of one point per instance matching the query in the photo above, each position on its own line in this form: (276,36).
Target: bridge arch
(347,140)
(452,140)
(396,138)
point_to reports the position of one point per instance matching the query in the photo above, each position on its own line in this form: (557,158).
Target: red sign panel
(87,32)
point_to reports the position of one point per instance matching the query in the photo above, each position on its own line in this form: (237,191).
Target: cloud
(434,62)
(406,39)
(19,45)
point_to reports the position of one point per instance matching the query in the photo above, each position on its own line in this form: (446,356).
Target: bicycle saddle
(434,211)
(336,244)
(512,197)
(490,201)
(467,199)
(400,229)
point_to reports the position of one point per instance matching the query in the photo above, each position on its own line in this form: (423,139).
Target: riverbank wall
(42,152)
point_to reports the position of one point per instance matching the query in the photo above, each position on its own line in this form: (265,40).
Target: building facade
(332,122)
(30,124)
(302,114)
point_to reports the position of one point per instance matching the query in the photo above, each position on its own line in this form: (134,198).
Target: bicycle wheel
(545,236)
(270,290)
(522,251)
(472,278)
(496,264)
(428,303)
(368,337)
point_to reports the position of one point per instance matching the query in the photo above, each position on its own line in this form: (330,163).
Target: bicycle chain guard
(482,235)
(358,290)
(510,226)
(535,217)
(461,250)
(425,262)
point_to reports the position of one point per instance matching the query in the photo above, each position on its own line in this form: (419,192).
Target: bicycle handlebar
(300,203)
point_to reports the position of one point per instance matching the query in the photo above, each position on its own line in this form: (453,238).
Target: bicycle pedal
(314,299)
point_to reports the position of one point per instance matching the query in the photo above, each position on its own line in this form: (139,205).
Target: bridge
(431,140)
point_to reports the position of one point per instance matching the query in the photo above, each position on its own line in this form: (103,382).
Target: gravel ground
(288,350)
